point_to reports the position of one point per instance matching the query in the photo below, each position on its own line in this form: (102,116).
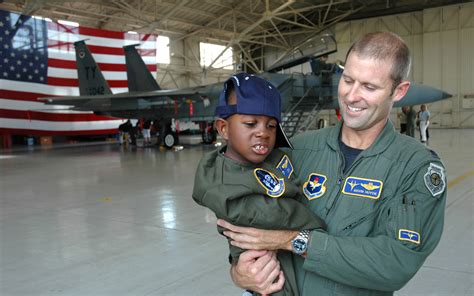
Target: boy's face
(250,138)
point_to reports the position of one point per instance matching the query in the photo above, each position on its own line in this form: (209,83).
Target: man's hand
(258,239)
(258,271)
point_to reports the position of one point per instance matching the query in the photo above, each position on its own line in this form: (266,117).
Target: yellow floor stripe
(455,181)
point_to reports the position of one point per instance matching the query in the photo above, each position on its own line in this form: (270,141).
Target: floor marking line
(457,180)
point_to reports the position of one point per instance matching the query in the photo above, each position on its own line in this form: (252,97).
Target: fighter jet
(303,95)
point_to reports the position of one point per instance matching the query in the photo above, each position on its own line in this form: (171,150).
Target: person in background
(125,130)
(155,130)
(382,195)
(402,116)
(424,118)
(134,132)
(121,131)
(411,121)
(146,132)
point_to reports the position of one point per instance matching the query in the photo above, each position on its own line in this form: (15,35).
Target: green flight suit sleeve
(385,260)
(229,202)
(259,211)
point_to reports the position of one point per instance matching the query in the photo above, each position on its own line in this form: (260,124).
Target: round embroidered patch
(274,186)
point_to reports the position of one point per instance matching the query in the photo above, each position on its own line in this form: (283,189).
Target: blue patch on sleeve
(314,187)
(285,166)
(409,235)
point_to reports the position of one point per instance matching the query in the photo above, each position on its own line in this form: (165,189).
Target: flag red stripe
(99,32)
(85,31)
(22,96)
(57,81)
(69,46)
(31,132)
(36,115)
(57,63)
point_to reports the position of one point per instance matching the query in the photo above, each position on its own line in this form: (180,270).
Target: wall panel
(441,41)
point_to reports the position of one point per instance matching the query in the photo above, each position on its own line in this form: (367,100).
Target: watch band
(304,234)
(300,243)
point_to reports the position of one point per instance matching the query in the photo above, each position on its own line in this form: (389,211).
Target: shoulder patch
(285,166)
(362,187)
(409,235)
(274,186)
(314,187)
(435,179)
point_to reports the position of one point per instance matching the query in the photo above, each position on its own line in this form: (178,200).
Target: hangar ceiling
(244,24)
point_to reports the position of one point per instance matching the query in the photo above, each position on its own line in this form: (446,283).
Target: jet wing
(150,96)
(421,94)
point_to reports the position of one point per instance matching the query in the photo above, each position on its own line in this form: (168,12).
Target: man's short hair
(384,46)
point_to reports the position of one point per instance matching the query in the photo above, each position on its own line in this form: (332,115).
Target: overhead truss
(245,25)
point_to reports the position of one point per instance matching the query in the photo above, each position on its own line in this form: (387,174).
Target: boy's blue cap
(255,96)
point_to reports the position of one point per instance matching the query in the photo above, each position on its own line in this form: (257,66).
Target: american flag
(37,59)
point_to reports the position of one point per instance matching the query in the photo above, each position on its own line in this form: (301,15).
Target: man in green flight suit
(382,195)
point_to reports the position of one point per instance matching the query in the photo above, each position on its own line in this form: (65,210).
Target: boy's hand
(258,271)
(258,239)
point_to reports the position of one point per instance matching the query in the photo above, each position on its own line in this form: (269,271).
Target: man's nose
(353,92)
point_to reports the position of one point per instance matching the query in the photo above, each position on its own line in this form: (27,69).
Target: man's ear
(222,127)
(401,90)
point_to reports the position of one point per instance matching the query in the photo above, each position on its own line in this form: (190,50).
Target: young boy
(247,182)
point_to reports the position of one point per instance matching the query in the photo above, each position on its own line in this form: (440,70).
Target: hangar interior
(261,32)
(105,220)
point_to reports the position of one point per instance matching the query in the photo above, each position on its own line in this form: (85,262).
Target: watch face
(299,245)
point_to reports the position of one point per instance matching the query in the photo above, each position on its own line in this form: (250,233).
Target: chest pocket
(361,199)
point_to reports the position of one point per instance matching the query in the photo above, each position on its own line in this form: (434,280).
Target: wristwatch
(300,243)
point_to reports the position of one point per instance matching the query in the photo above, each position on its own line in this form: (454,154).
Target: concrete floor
(103,220)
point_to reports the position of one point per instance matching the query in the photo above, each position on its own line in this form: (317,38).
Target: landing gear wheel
(170,140)
(209,136)
(322,123)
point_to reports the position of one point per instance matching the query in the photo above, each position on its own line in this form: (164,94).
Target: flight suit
(262,196)
(384,215)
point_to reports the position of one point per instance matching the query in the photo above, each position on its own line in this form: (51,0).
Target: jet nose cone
(422,94)
(446,95)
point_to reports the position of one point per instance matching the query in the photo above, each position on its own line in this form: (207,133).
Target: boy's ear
(222,127)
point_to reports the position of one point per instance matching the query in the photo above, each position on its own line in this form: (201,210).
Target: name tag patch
(362,187)
(274,186)
(409,235)
(314,187)
(285,166)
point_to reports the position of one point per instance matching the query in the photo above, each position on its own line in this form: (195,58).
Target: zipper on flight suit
(341,177)
(360,221)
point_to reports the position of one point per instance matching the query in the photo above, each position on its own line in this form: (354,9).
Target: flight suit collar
(381,143)
(270,162)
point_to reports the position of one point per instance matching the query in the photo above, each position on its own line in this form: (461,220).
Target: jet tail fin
(91,80)
(138,75)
